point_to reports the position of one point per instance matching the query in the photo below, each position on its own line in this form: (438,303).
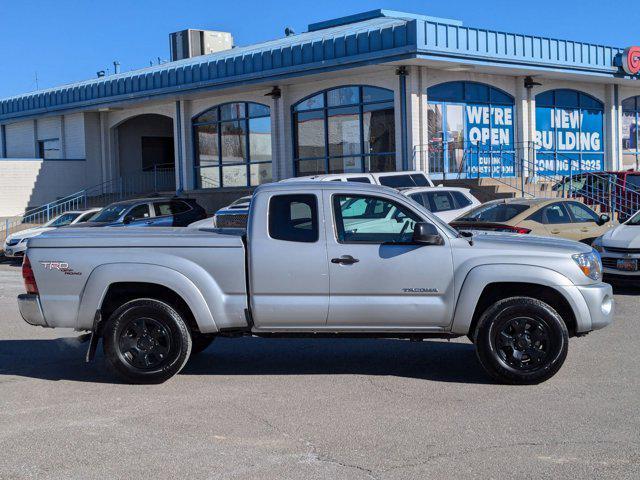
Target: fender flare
(101,278)
(479,277)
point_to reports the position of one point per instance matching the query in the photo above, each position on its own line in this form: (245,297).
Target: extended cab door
(378,278)
(288,266)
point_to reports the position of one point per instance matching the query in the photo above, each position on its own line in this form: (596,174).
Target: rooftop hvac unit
(191,43)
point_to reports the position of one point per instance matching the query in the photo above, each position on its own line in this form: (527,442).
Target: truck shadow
(431,360)
(63,359)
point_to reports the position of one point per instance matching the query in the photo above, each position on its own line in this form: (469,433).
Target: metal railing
(160,178)
(529,172)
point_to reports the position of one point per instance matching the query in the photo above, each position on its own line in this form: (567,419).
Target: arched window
(631,133)
(470,128)
(345,129)
(569,133)
(233,145)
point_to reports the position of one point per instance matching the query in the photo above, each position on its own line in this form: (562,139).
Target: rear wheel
(146,341)
(521,340)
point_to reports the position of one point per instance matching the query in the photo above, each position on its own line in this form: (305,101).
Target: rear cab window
(294,218)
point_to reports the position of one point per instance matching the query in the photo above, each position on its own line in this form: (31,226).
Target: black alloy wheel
(521,340)
(146,341)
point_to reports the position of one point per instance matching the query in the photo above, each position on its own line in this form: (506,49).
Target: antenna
(37,85)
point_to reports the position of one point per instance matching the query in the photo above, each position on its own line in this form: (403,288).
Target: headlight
(590,264)
(24,240)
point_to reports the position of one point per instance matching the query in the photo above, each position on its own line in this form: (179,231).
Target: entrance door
(378,278)
(446,139)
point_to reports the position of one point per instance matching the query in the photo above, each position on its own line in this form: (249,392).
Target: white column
(612,120)
(183,142)
(523,134)
(63,143)
(416,120)
(282,135)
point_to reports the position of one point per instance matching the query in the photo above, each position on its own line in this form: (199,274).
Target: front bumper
(16,251)
(31,310)
(599,303)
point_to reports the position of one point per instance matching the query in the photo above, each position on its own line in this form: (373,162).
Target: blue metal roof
(370,37)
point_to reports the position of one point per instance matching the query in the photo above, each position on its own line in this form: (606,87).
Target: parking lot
(254,408)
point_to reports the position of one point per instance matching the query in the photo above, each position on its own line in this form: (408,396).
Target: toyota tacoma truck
(317,259)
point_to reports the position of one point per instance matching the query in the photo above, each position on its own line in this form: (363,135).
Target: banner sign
(489,131)
(576,137)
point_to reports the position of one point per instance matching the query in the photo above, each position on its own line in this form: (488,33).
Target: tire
(200,341)
(146,341)
(521,341)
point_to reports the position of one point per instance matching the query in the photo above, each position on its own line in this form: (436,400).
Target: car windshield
(493,212)
(110,214)
(62,220)
(403,181)
(635,220)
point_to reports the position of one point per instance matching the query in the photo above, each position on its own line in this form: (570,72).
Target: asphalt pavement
(313,409)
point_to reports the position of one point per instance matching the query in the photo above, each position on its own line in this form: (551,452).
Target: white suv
(388,179)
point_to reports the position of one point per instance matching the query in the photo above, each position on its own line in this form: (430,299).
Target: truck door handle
(345,260)
(555,231)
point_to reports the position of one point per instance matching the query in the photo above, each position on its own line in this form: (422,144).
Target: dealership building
(376,91)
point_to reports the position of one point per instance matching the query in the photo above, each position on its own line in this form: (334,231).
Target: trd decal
(60,266)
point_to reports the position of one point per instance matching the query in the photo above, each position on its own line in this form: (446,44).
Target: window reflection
(233,145)
(345,129)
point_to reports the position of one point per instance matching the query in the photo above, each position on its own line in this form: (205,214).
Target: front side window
(581,213)
(569,133)
(343,130)
(294,218)
(555,214)
(365,219)
(233,145)
(139,211)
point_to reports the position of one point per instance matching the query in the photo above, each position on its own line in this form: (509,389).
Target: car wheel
(146,341)
(521,340)
(200,341)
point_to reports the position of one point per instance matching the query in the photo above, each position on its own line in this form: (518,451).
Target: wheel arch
(149,281)
(485,285)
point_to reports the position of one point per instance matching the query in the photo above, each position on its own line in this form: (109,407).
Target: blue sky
(64,41)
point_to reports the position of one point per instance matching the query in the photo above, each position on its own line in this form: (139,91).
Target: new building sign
(490,133)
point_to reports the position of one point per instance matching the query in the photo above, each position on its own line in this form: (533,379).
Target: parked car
(318,259)
(546,217)
(16,243)
(387,179)
(149,212)
(617,191)
(620,252)
(447,203)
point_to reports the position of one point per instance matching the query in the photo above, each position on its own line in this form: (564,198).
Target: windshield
(111,213)
(403,181)
(635,220)
(62,220)
(494,212)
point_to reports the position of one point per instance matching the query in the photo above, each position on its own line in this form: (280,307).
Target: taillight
(510,229)
(28,276)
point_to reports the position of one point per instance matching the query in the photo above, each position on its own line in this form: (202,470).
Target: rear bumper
(598,299)
(31,310)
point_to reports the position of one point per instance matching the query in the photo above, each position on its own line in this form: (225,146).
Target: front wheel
(521,340)
(146,341)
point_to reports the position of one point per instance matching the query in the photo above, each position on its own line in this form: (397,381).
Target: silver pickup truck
(317,259)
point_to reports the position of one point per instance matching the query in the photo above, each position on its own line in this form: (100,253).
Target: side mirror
(128,219)
(427,234)
(604,218)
